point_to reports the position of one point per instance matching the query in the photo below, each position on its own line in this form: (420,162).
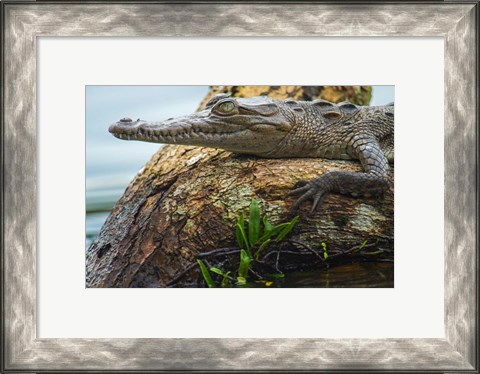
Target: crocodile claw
(315,190)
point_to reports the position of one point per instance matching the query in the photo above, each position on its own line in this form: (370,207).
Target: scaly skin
(265,127)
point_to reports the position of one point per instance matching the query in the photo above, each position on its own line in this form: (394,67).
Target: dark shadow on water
(355,275)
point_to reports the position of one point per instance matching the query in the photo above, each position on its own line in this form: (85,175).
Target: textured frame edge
(461,170)
(458,352)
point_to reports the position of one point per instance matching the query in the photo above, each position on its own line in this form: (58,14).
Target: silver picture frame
(24,22)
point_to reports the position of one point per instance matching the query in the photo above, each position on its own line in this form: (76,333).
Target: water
(94,222)
(102,192)
(366,274)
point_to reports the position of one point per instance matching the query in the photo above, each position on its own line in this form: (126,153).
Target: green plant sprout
(206,274)
(325,253)
(252,237)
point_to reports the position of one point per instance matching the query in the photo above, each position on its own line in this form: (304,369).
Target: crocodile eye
(226,107)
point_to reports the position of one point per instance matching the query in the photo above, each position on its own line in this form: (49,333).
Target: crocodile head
(252,126)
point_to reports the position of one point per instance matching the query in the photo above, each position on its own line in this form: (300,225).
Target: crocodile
(272,128)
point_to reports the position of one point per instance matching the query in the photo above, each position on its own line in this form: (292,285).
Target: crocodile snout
(125,125)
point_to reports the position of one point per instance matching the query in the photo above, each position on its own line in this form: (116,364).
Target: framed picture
(64,62)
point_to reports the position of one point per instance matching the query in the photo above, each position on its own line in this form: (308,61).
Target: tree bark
(186,202)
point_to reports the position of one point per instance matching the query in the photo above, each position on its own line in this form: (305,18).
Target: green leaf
(380,251)
(276,275)
(216,271)
(206,274)
(254,223)
(241,281)
(287,228)
(244,264)
(243,237)
(262,246)
(360,247)
(325,254)
(274,231)
(267,226)
(239,227)
(226,278)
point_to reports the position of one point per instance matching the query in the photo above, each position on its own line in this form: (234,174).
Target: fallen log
(187,199)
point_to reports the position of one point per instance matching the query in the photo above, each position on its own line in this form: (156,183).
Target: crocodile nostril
(126,119)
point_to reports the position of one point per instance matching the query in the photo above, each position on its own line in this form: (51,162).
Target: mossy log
(186,200)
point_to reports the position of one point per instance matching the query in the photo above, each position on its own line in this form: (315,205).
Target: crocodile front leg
(374,181)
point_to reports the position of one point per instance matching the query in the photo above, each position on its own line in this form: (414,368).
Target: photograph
(239,186)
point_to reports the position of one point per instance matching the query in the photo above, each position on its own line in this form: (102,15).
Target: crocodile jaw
(197,129)
(164,132)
